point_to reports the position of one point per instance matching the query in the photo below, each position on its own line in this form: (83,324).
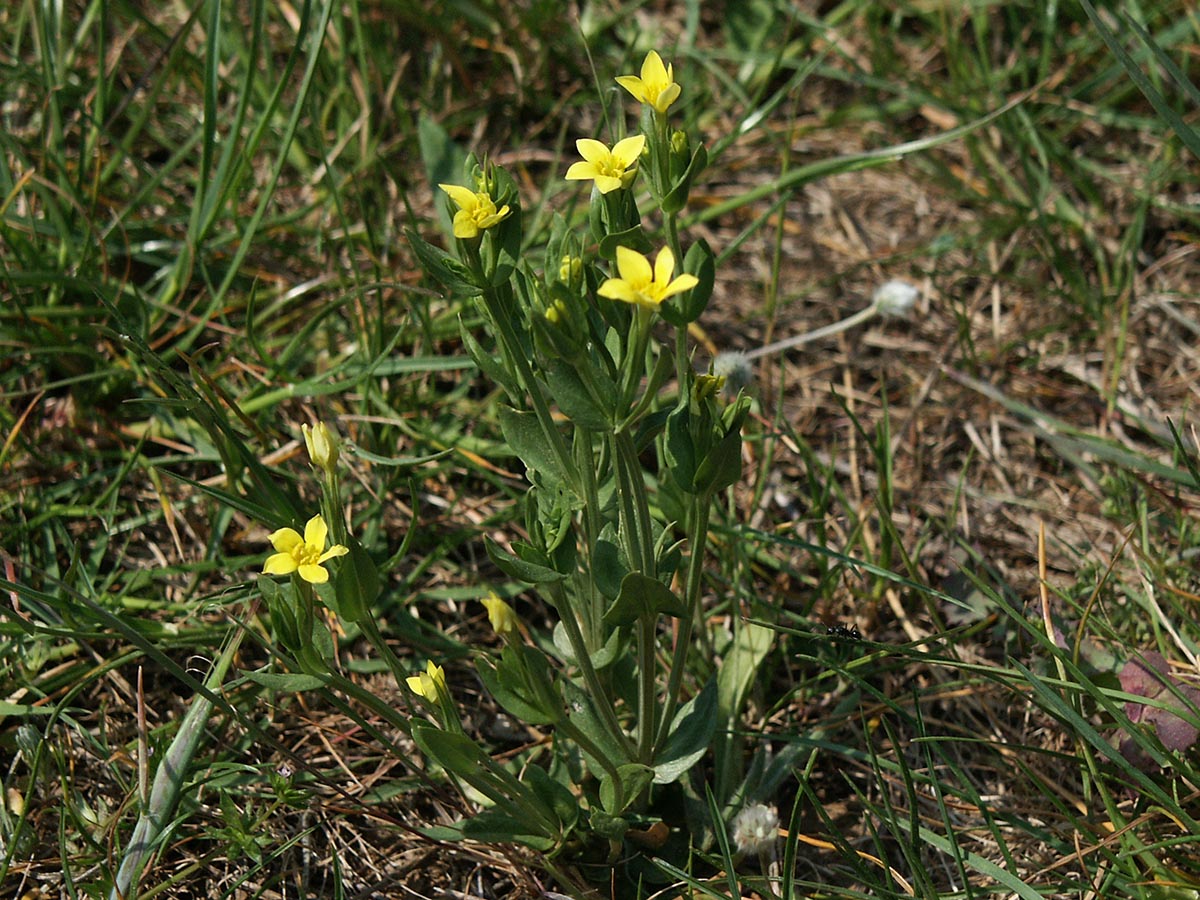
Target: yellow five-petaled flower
(476,211)
(642,285)
(430,684)
(303,555)
(610,169)
(656,86)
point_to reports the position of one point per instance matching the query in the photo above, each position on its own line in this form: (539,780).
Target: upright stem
(698,538)
(583,659)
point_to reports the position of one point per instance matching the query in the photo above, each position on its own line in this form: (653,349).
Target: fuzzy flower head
(639,283)
(476,211)
(656,86)
(303,555)
(755,828)
(500,614)
(895,297)
(430,684)
(610,169)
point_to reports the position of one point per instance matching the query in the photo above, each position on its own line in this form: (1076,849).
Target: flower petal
(606,183)
(465,226)
(463,197)
(664,265)
(616,289)
(654,73)
(592,150)
(333,552)
(634,85)
(285,539)
(582,171)
(667,96)
(634,267)
(280,564)
(315,533)
(684,282)
(626,151)
(314,574)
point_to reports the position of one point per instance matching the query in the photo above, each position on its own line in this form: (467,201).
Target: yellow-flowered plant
(612,169)
(303,555)
(476,211)
(642,285)
(591,392)
(655,86)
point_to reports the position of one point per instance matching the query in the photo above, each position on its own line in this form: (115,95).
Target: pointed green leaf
(515,567)
(524,434)
(691,733)
(642,597)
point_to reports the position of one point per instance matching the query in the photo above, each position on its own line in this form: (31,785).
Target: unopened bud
(502,616)
(322,446)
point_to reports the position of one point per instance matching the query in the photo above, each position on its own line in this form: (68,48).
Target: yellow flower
(322,446)
(500,614)
(656,85)
(430,684)
(302,554)
(610,169)
(476,211)
(640,284)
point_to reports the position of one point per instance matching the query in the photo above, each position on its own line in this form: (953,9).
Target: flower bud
(322,446)
(500,614)
(430,684)
(680,155)
(570,271)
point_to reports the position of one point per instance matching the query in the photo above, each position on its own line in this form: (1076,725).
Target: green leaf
(722,465)
(291,682)
(600,659)
(634,779)
(515,567)
(611,828)
(357,583)
(508,681)
(642,597)
(690,734)
(583,715)
(575,400)
(444,162)
(524,434)
(494,827)
(633,238)
(489,365)
(453,275)
(555,795)
(608,571)
(750,647)
(679,449)
(677,197)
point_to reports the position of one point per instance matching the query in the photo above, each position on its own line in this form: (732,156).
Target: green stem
(698,519)
(584,660)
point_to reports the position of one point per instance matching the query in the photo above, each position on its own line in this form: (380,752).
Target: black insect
(851,634)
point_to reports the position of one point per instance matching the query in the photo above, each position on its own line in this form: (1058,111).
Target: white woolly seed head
(755,828)
(895,297)
(734,366)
